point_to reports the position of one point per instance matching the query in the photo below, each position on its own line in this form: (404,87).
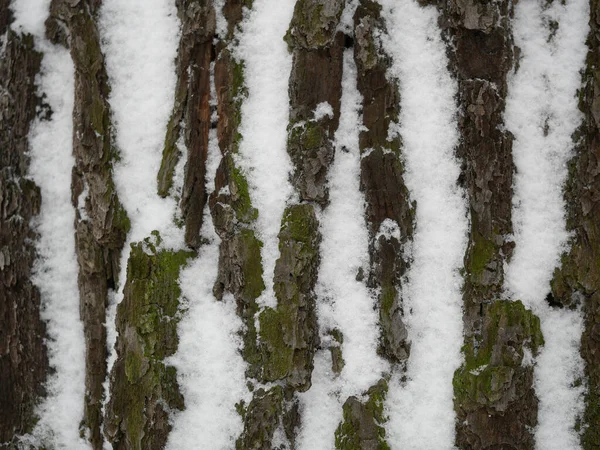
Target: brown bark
(576,283)
(190,118)
(500,413)
(23,359)
(101,229)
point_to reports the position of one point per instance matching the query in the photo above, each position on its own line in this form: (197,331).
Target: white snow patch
(221,28)
(389,228)
(139,41)
(421,410)
(344,302)
(323,110)
(55,270)
(210,368)
(542,113)
(265,115)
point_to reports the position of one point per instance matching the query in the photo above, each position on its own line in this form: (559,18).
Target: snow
(421,414)
(139,40)
(210,368)
(55,270)
(344,303)
(265,115)
(209,335)
(542,113)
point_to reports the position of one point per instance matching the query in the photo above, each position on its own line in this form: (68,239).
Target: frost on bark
(101,223)
(576,283)
(23,359)
(494,398)
(189,124)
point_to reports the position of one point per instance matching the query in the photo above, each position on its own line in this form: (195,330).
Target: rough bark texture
(576,283)
(498,409)
(101,223)
(143,388)
(386,195)
(23,359)
(240,265)
(362,423)
(190,120)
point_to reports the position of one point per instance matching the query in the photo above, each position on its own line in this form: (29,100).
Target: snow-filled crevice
(265,115)
(344,303)
(139,41)
(542,114)
(421,414)
(55,270)
(210,367)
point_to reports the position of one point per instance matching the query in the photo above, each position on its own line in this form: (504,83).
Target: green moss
(238,186)
(299,224)
(491,364)
(170,156)
(311,26)
(279,359)
(306,135)
(481,253)
(362,422)
(252,265)
(261,418)
(147,324)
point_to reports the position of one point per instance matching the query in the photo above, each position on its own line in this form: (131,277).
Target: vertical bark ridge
(494,401)
(101,223)
(575,283)
(240,266)
(23,358)
(288,336)
(389,217)
(387,198)
(190,120)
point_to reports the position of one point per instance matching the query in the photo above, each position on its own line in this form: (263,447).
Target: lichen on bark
(289,332)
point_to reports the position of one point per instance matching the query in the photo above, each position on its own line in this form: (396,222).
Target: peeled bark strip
(101,223)
(387,198)
(190,121)
(23,359)
(576,282)
(494,398)
(144,389)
